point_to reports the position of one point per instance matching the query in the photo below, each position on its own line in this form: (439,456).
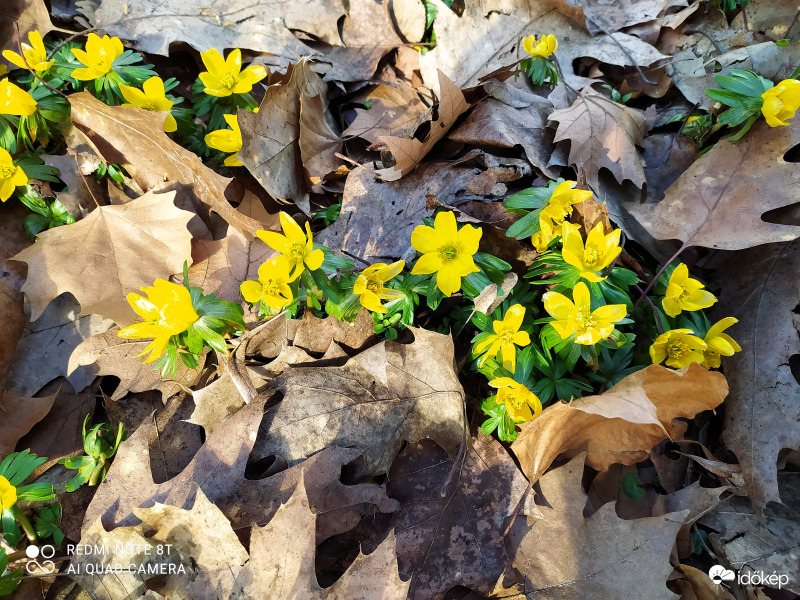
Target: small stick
(744,16)
(704,34)
(350,160)
(660,271)
(625,51)
(655,312)
(354,257)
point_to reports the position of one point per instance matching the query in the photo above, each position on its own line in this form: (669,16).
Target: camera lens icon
(718,574)
(33,552)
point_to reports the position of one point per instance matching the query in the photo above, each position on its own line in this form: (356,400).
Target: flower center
(512,399)
(448,253)
(374,286)
(676,349)
(271,288)
(149,105)
(507,337)
(590,257)
(297,251)
(7,172)
(586,321)
(228,80)
(684,295)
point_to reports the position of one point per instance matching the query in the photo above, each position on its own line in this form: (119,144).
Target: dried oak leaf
(31,15)
(135,138)
(720,200)
(563,555)
(393,109)
(109,354)
(486,36)
(408,152)
(218,469)
(602,134)
(265,26)
(751,541)
(621,424)
(612,16)
(18,415)
(763,412)
(130,245)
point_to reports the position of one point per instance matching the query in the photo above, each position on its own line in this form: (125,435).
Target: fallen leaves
(622,424)
(130,244)
(602,134)
(720,200)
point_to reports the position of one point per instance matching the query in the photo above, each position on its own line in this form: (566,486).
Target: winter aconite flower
(685,293)
(598,253)
(98,57)
(151,97)
(553,215)
(576,316)
(679,346)
(719,344)
(15,101)
(225,76)
(781,102)
(296,247)
(370,285)
(272,287)
(505,339)
(35,55)
(8,494)
(521,404)
(446,251)
(166,311)
(544,47)
(11,175)
(227,140)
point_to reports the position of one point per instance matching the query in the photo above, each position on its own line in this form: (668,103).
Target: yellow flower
(546,46)
(446,251)
(225,76)
(599,252)
(549,229)
(558,208)
(685,293)
(98,57)
(521,404)
(153,98)
(227,140)
(505,339)
(370,289)
(719,344)
(272,287)
(15,101)
(589,326)
(3,70)
(35,54)
(11,175)
(781,102)
(166,311)
(679,346)
(296,247)
(8,494)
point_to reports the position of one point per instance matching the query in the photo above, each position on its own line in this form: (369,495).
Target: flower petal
(424,239)
(428,263)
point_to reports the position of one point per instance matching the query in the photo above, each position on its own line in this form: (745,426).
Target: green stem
(25,524)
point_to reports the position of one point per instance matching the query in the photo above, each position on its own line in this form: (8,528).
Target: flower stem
(655,312)
(25,524)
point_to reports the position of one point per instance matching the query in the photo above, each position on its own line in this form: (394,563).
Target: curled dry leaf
(564,555)
(131,245)
(623,423)
(408,152)
(762,415)
(135,138)
(393,109)
(720,200)
(602,134)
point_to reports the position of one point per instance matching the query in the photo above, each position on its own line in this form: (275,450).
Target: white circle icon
(32,551)
(718,574)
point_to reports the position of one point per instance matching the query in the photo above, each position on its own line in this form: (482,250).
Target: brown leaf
(135,138)
(622,424)
(496,124)
(44,350)
(31,15)
(719,201)
(602,134)
(762,415)
(316,335)
(392,111)
(702,586)
(83,193)
(564,555)
(408,152)
(130,245)
(319,141)
(615,15)
(271,137)
(109,354)
(749,541)
(412,390)
(18,415)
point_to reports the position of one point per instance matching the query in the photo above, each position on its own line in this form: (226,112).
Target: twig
(27,66)
(350,160)
(625,52)
(660,271)
(561,75)
(744,16)
(354,257)
(704,34)
(655,312)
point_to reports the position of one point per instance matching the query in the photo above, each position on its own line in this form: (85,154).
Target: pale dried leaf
(18,415)
(393,109)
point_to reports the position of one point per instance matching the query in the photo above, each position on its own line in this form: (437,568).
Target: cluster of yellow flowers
(558,209)
(680,347)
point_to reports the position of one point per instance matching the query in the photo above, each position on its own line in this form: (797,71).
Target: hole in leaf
(794,365)
(792,154)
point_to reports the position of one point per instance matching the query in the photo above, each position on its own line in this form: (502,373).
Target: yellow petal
(251,291)
(424,239)
(427,263)
(514,316)
(447,280)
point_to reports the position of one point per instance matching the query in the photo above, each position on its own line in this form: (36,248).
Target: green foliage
(100,445)
(329,214)
(47,521)
(539,70)
(615,95)
(631,486)
(9,580)
(48,213)
(741,90)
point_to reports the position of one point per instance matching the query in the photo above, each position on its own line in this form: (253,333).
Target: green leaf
(631,486)
(526,226)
